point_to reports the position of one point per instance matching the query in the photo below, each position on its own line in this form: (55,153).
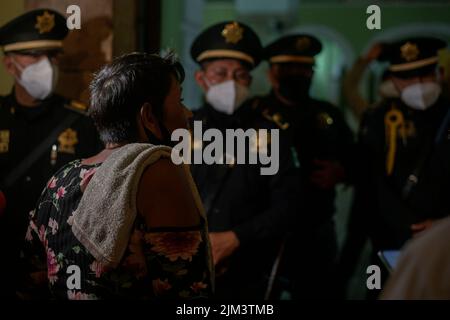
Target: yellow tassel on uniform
(394,122)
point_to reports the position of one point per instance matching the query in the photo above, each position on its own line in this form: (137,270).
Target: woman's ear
(149,120)
(272,76)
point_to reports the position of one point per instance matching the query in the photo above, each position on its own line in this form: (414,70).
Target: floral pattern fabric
(158,263)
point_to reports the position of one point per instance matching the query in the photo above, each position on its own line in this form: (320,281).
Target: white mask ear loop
(18,66)
(208,84)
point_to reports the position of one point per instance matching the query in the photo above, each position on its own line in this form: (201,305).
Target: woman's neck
(103,155)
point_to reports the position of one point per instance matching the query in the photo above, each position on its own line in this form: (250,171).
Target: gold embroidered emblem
(45,23)
(233,33)
(4,141)
(276,118)
(67,141)
(409,51)
(302,43)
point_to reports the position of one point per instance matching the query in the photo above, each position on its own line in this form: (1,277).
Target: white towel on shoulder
(106,213)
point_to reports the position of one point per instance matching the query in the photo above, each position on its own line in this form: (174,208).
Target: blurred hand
(223,244)
(328,174)
(418,228)
(374,52)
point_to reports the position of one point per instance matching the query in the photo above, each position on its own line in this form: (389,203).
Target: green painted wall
(8,10)
(172,17)
(349,20)
(346,21)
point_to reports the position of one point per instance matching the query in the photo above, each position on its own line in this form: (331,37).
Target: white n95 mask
(227,97)
(421,96)
(39,79)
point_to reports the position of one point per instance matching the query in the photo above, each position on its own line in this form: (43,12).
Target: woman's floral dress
(159,263)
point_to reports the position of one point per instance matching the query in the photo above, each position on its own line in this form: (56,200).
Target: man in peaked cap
(248,213)
(322,144)
(404,161)
(39,130)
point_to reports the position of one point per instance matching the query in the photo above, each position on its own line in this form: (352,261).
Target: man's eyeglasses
(220,75)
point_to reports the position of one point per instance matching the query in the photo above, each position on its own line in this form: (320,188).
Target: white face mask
(227,97)
(421,96)
(39,79)
(387,89)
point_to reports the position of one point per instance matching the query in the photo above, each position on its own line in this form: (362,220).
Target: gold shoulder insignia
(4,141)
(77,106)
(276,118)
(324,120)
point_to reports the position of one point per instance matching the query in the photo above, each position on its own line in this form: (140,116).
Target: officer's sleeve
(33,265)
(347,149)
(283,194)
(364,206)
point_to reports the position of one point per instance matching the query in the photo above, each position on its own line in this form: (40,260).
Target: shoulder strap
(26,163)
(77,106)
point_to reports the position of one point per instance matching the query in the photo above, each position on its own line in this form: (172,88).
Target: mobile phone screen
(389,258)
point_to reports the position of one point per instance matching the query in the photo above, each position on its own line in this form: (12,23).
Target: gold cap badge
(233,33)
(45,23)
(410,52)
(302,43)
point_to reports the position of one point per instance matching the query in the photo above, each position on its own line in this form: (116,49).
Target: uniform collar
(31,113)
(289,111)
(235,120)
(429,118)
(298,107)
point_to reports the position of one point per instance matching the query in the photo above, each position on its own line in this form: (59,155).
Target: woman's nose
(188,113)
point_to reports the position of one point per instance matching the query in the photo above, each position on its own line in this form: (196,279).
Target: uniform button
(27,178)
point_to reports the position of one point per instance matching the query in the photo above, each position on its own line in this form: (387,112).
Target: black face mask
(295,88)
(166,136)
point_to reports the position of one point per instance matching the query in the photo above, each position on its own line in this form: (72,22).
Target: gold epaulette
(276,118)
(77,106)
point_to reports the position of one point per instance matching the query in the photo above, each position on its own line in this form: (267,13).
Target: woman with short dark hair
(127,222)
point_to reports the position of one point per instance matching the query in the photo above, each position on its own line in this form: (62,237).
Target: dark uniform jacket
(317,130)
(257,208)
(386,205)
(22,129)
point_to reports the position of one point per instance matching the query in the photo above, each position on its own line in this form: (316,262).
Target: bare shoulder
(165,198)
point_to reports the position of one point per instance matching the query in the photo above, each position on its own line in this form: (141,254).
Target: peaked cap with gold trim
(228,40)
(298,48)
(413,56)
(34,31)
